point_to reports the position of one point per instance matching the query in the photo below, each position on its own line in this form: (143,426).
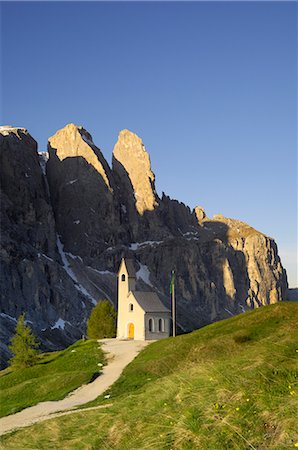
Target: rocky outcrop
(33,276)
(200,213)
(267,278)
(68,218)
(73,142)
(82,194)
(130,156)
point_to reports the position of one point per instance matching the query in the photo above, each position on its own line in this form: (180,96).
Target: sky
(211,88)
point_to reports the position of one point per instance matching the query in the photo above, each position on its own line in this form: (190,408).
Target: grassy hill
(55,375)
(230,385)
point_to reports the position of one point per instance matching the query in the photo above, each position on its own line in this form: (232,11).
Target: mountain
(67,218)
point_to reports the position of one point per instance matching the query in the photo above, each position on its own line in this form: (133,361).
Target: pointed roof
(130,267)
(149,301)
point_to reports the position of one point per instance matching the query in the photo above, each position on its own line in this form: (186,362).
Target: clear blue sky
(210,87)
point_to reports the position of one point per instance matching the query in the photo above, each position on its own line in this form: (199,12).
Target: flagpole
(173,305)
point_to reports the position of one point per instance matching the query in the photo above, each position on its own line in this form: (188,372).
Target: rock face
(200,213)
(67,221)
(34,274)
(75,142)
(82,193)
(131,159)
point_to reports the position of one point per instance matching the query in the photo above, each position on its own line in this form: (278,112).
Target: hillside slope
(230,385)
(52,378)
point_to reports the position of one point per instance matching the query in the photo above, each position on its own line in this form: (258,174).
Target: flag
(172,282)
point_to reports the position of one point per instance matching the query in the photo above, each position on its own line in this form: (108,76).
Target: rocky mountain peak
(6,130)
(15,134)
(64,232)
(200,213)
(235,227)
(132,156)
(75,141)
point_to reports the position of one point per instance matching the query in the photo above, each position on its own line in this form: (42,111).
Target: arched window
(151,325)
(130,307)
(161,325)
(123,277)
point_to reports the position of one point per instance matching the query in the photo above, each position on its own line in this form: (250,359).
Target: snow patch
(66,265)
(101,272)
(60,324)
(83,291)
(67,268)
(45,256)
(76,222)
(190,233)
(72,181)
(43,158)
(144,273)
(7,316)
(136,245)
(123,207)
(228,311)
(74,256)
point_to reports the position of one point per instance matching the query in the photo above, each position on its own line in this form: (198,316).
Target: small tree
(102,321)
(23,346)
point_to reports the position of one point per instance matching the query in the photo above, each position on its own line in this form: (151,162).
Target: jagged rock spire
(130,152)
(74,141)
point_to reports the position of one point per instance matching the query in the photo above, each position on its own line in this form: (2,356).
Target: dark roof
(130,268)
(149,301)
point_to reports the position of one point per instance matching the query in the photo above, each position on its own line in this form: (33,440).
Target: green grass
(230,385)
(55,375)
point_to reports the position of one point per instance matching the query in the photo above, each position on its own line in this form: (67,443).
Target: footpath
(118,353)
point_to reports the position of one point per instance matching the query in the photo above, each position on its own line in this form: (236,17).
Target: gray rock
(63,235)
(32,276)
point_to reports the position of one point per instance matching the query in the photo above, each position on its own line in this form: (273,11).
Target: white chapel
(141,315)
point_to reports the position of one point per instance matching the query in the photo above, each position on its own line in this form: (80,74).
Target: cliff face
(130,155)
(67,222)
(35,277)
(82,193)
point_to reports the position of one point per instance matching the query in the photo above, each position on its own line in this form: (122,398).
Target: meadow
(52,378)
(230,385)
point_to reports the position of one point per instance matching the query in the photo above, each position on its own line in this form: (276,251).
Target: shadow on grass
(49,359)
(94,376)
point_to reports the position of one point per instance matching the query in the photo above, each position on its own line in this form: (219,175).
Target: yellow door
(131,331)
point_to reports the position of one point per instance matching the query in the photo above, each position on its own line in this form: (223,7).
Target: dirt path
(120,353)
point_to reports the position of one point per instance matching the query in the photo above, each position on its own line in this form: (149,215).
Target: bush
(23,346)
(102,321)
